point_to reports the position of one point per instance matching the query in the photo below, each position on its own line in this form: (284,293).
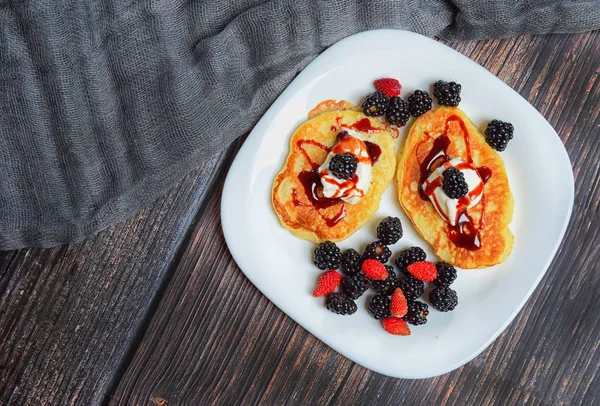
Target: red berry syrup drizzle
(464,234)
(374,151)
(438,155)
(362,125)
(337,218)
(300,145)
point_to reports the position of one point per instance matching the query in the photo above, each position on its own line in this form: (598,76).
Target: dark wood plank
(68,315)
(215,339)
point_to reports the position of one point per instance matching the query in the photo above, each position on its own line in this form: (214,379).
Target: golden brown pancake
(489,219)
(309,146)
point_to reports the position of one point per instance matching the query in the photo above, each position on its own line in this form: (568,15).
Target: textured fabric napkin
(105,104)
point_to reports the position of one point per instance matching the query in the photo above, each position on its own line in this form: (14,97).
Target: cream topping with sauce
(451,209)
(353,189)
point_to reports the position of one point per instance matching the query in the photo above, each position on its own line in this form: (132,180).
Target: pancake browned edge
(496,205)
(294,209)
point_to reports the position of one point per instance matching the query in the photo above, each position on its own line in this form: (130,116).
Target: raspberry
(419,103)
(375,104)
(389,231)
(411,287)
(377,250)
(446,274)
(340,304)
(343,166)
(387,285)
(398,305)
(408,256)
(355,285)
(447,93)
(327,256)
(498,133)
(327,283)
(374,269)
(379,307)
(351,261)
(396,326)
(454,184)
(423,270)
(388,86)
(417,313)
(443,299)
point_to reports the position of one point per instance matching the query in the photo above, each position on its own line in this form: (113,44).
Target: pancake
(309,145)
(488,220)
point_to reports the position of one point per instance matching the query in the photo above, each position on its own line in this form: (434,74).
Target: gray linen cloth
(105,104)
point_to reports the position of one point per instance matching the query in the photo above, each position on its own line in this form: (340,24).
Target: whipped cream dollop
(451,209)
(353,189)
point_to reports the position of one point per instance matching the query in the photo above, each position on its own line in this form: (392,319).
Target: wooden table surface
(154,311)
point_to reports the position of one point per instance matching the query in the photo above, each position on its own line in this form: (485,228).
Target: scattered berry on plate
(398,304)
(340,304)
(396,326)
(374,270)
(454,184)
(443,299)
(327,256)
(417,313)
(386,286)
(423,270)
(409,256)
(351,261)
(397,112)
(343,166)
(419,103)
(379,306)
(355,285)
(379,251)
(447,93)
(389,231)
(498,133)
(327,283)
(446,274)
(388,86)
(411,287)
(375,104)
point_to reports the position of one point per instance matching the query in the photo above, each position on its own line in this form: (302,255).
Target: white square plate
(280,265)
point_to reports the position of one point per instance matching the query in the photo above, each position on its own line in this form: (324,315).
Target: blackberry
(379,307)
(343,166)
(454,183)
(340,304)
(446,274)
(327,256)
(389,231)
(377,250)
(498,133)
(443,299)
(388,285)
(351,261)
(375,104)
(419,103)
(447,93)
(397,112)
(411,287)
(354,285)
(410,256)
(417,313)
